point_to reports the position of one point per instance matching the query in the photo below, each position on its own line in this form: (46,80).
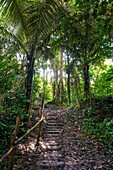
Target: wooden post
(13,136)
(39,128)
(29,118)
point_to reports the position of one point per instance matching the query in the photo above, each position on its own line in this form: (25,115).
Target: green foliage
(97,123)
(8,72)
(86,32)
(14,105)
(102,81)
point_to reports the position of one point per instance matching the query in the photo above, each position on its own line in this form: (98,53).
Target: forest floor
(73,149)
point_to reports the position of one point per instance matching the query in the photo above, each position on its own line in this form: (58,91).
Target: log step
(53,139)
(53,132)
(54,124)
(50,164)
(55,148)
(54,154)
(51,135)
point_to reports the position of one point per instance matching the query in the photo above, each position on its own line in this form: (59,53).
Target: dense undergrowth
(98,120)
(13,105)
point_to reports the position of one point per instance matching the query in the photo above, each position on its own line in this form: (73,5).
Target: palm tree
(31,24)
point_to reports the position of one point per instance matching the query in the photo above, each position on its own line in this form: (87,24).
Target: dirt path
(63,145)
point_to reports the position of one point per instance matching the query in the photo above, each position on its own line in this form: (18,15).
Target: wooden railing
(14,144)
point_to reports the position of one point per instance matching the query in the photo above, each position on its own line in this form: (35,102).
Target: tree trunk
(61,70)
(76,91)
(61,73)
(29,80)
(78,81)
(76,88)
(53,86)
(43,94)
(68,79)
(86,81)
(55,78)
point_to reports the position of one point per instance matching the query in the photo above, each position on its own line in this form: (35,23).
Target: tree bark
(61,70)
(76,88)
(55,78)
(43,93)
(68,79)
(61,73)
(86,81)
(53,86)
(29,80)
(76,92)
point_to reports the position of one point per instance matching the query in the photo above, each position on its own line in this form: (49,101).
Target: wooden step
(54,124)
(53,154)
(53,121)
(51,135)
(52,166)
(47,127)
(52,116)
(52,131)
(55,148)
(53,139)
(51,143)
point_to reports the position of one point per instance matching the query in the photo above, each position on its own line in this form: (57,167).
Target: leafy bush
(98,126)
(14,105)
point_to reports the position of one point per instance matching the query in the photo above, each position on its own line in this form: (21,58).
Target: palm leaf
(44,17)
(6,33)
(13,10)
(37,17)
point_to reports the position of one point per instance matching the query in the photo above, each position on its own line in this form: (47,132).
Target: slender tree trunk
(61,70)
(61,74)
(65,74)
(43,94)
(29,80)
(76,92)
(76,88)
(52,81)
(46,76)
(53,86)
(78,81)
(68,79)
(55,78)
(86,81)
(73,91)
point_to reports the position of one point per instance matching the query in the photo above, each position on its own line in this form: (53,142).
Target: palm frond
(6,32)
(45,15)
(13,10)
(37,17)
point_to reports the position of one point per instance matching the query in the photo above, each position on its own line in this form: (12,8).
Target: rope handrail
(8,152)
(16,142)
